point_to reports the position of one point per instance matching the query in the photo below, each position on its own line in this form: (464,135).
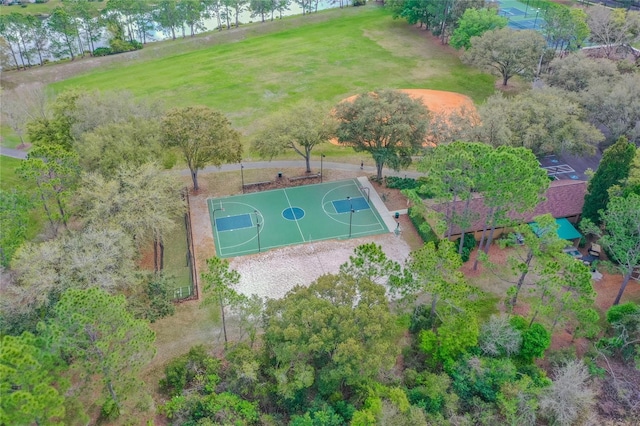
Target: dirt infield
(437,101)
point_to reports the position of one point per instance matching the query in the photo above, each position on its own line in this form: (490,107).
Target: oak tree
(506,52)
(387,124)
(300,129)
(203,135)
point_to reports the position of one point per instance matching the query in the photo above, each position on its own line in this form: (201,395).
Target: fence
(182,294)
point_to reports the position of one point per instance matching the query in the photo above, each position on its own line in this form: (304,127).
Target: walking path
(13,153)
(291,164)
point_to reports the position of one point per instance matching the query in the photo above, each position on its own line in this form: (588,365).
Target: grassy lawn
(325,61)
(8,137)
(8,177)
(33,8)
(175,256)
(10,180)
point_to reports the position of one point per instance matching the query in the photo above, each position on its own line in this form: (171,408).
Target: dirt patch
(438,102)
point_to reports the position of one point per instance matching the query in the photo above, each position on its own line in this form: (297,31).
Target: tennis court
(256,222)
(530,24)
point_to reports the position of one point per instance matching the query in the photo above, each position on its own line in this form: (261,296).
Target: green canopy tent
(566,230)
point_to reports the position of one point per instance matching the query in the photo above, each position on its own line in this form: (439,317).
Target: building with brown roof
(563,199)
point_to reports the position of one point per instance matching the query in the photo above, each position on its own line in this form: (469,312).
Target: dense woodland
(378,342)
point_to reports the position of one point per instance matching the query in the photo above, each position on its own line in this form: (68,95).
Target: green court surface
(250,223)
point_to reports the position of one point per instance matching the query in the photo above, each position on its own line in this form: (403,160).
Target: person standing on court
(361,165)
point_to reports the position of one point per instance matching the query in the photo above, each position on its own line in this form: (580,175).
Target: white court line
(296,219)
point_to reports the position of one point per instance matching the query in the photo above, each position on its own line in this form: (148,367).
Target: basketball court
(256,222)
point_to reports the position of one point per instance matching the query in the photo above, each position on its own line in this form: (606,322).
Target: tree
(545,121)
(616,106)
(454,172)
(90,22)
(388,124)
(569,398)
(498,338)
(29,390)
(371,263)
(108,147)
(167,16)
(564,293)
(54,172)
(577,72)
(14,218)
(100,257)
(446,15)
(54,127)
(300,129)
(621,235)
(192,11)
(64,32)
(613,169)
(333,336)
(506,52)
(513,182)
(565,28)
(142,200)
(414,11)
(474,23)
(613,28)
(203,135)
(540,245)
(10,39)
(103,340)
(435,270)
(219,282)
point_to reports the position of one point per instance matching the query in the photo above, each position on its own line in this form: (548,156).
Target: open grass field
(8,177)
(326,61)
(33,8)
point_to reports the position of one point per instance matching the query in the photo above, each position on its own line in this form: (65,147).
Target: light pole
(242,176)
(350,220)
(535,23)
(525,11)
(321,157)
(257,229)
(221,209)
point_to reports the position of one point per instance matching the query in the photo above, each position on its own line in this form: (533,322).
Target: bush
(424,229)
(102,51)
(394,182)
(617,313)
(569,398)
(182,371)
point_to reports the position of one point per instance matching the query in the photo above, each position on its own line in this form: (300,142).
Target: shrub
(535,339)
(617,313)
(102,51)
(394,182)
(182,371)
(424,229)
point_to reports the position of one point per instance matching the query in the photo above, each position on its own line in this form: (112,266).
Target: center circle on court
(293,213)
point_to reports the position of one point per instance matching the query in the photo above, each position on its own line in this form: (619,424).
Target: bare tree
(23,104)
(569,398)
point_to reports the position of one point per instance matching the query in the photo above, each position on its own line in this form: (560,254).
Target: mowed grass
(32,8)
(324,61)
